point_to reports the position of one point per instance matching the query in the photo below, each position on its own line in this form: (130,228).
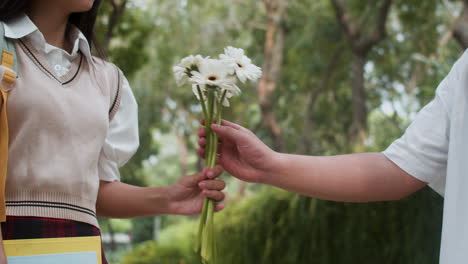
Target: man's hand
(353,178)
(242,154)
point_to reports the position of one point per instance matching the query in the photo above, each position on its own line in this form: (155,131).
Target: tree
(273,60)
(361,44)
(460,29)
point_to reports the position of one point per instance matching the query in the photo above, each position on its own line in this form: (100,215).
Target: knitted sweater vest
(57,129)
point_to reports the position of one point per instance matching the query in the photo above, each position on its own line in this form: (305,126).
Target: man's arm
(350,178)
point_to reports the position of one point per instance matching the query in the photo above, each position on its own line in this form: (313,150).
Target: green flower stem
(204,214)
(202,102)
(206,243)
(201,225)
(214,149)
(207,252)
(220,107)
(210,134)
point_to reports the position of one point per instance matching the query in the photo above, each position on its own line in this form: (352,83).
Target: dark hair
(84,21)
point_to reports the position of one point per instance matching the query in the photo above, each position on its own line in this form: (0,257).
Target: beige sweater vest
(57,129)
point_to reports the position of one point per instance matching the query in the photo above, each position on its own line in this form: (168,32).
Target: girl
(72,124)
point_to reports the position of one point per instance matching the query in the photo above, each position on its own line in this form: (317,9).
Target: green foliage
(173,247)
(314,231)
(278,227)
(272,226)
(151,253)
(142,229)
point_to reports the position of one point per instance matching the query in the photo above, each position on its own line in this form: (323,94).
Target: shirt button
(58,67)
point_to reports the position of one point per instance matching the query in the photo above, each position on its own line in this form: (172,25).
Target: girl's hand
(186,196)
(242,154)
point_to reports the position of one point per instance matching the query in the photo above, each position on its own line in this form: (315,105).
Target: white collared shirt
(122,139)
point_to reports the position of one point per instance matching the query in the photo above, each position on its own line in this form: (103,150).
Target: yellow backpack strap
(6,82)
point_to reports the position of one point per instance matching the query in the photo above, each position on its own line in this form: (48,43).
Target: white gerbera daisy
(225,102)
(226,99)
(190,61)
(241,64)
(182,71)
(180,75)
(195,91)
(214,73)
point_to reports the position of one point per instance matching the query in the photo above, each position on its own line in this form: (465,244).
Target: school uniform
(72,123)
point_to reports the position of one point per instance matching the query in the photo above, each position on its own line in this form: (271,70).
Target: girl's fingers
(201,153)
(219,207)
(202,142)
(201,132)
(215,185)
(214,195)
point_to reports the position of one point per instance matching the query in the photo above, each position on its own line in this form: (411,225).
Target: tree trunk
(460,31)
(306,147)
(361,44)
(359,125)
(273,59)
(118,8)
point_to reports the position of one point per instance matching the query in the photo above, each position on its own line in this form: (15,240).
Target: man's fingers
(232,125)
(215,185)
(215,195)
(227,132)
(214,172)
(203,121)
(224,123)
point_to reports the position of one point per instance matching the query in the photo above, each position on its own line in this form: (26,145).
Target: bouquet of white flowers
(214,82)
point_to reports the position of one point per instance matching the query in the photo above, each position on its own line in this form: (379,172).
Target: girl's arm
(120,200)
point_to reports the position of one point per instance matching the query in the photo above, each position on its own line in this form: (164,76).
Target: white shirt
(434,149)
(122,139)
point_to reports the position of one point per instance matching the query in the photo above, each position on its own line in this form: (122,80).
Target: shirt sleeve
(423,149)
(122,138)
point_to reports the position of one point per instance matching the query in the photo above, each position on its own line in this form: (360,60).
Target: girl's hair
(84,21)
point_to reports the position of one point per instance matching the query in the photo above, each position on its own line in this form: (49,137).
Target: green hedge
(277,227)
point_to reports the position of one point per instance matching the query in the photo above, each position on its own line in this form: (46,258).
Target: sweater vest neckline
(35,56)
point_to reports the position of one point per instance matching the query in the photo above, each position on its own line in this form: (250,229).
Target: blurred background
(340,76)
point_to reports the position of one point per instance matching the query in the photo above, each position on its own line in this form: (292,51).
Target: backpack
(9,64)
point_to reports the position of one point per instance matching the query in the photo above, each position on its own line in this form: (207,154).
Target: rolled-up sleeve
(122,139)
(423,149)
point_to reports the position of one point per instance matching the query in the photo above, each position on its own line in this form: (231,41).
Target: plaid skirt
(18,227)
